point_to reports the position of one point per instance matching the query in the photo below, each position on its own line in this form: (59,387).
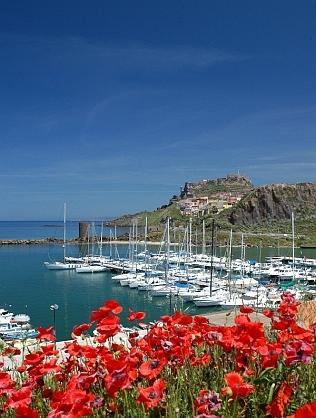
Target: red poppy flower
(268,313)
(74,349)
(80,329)
(306,411)
(11,351)
(120,376)
(199,361)
(50,366)
(237,385)
(270,360)
(34,359)
(298,351)
(242,319)
(136,316)
(46,334)
(114,306)
(98,315)
(277,407)
(246,309)
(207,402)
(152,395)
(152,368)
(5,382)
(23,411)
(302,333)
(200,320)
(117,348)
(182,319)
(72,403)
(109,326)
(49,350)
(109,307)
(85,381)
(288,306)
(20,398)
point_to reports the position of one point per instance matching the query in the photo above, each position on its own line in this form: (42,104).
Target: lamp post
(54,309)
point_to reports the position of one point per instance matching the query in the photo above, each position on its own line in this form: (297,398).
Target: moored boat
(14,327)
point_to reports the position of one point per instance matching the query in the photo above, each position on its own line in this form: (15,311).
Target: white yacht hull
(90,269)
(207,302)
(60,266)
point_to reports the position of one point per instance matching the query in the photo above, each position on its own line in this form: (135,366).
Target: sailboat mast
(145,249)
(146,232)
(65,209)
(203,237)
(293,246)
(196,241)
(111,236)
(187,240)
(88,246)
(167,265)
(212,256)
(136,244)
(230,261)
(101,239)
(242,255)
(168,242)
(167,251)
(190,237)
(132,245)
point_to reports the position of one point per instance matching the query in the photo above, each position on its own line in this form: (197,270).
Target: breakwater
(46,241)
(30,241)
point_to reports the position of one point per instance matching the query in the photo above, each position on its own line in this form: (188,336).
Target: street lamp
(54,309)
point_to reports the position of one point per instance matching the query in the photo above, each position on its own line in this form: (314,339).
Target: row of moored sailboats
(205,280)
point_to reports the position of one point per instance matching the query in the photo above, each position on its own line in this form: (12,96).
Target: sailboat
(93,263)
(221,294)
(61,265)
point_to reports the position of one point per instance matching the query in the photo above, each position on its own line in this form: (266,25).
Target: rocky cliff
(274,202)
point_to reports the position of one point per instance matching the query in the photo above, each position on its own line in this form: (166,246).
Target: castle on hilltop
(211,196)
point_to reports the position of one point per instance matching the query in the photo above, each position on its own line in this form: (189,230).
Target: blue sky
(112,105)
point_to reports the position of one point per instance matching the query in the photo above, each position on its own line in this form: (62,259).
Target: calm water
(45,229)
(27,286)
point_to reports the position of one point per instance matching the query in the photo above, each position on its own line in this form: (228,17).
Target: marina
(28,286)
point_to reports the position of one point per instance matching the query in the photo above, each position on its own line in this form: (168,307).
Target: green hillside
(263,214)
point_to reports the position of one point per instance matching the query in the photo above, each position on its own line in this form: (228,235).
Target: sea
(26,286)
